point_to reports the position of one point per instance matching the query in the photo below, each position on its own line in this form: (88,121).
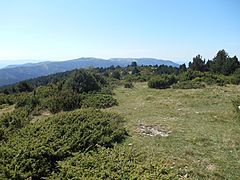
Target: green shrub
(99,101)
(2,134)
(212,79)
(206,77)
(198,79)
(34,151)
(128,85)
(188,85)
(235,79)
(7,99)
(63,101)
(24,86)
(116,74)
(136,78)
(28,100)
(15,120)
(22,100)
(46,91)
(161,82)
(81,81)
(190,75)
(67,101)
(117,163)
(107,90)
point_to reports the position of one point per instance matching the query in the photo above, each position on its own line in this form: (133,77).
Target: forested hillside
(13,74)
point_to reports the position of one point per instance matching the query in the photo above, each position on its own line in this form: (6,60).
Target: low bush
(116,74)
(81,81)
(188,85)
(2,134)
(161,82)
(63,101)
(128,85)
(7,99)
(107,90)
(27,100)
(235,79)
(136,78)
(34,151)
(117,163)
(212,79)
(190,75)
(15,120)
(98,101)
(206,77)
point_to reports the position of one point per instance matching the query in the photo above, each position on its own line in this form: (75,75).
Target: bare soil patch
(153,130)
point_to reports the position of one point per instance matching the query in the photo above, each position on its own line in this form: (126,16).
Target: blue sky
(167,29)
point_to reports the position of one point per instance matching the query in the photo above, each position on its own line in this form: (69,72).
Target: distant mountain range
(15,73)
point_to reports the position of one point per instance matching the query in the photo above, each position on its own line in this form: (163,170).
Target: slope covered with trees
(15,73)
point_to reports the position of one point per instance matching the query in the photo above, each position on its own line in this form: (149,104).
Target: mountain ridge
(14,73)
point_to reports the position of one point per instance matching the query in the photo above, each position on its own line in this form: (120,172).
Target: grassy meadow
(203,139)
(202,136)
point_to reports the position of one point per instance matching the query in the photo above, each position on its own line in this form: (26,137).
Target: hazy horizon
(26,61)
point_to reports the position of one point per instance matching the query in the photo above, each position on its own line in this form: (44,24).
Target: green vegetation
(99,101)
(188,85)
(128,85)
(35,149)
(161,82)
(92,124)
(121,162)
(15,120)
(81,81)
